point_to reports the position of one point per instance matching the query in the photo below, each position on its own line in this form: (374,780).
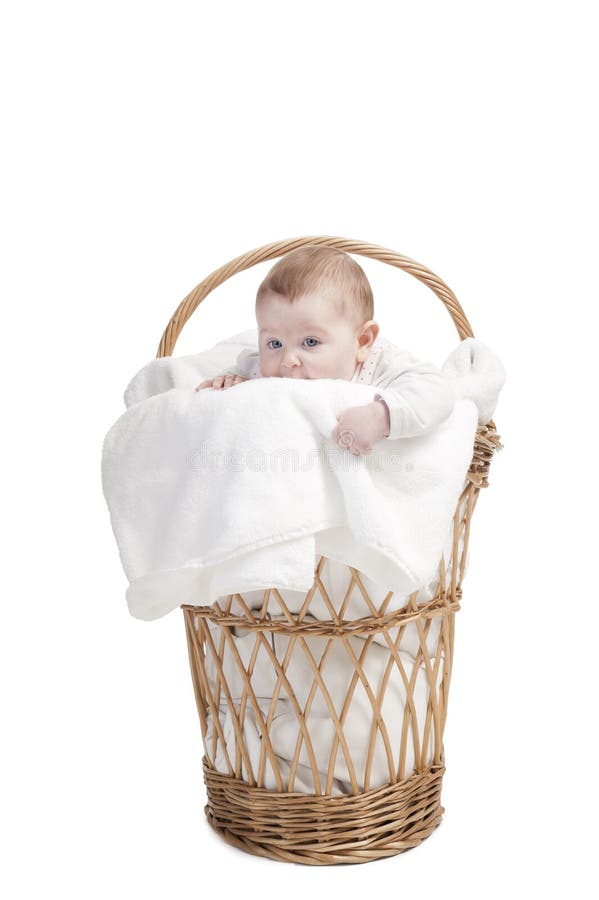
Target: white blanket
(214,492)
(341,589)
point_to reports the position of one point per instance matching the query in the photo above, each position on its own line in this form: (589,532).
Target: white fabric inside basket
(404,729)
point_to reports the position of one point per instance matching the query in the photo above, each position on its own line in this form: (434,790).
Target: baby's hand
(220,382)
(359,427)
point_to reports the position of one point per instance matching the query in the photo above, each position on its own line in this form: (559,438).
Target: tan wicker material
(369,821)
(325,830)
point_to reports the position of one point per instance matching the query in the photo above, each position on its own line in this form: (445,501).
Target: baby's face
(308,339)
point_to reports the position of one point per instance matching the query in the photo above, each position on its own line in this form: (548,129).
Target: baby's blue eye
(277,341)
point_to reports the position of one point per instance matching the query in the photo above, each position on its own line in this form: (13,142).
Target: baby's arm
(417,394)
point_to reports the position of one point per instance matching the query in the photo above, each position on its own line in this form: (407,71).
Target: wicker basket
(327,826)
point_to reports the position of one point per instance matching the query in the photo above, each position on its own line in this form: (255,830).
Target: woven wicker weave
(368,822)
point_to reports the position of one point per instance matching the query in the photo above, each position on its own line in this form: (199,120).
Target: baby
(314,312)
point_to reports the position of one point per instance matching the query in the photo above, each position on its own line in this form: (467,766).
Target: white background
(144,146)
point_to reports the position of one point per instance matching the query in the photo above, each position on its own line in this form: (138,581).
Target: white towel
(476,374)
(192,526)
(358,594)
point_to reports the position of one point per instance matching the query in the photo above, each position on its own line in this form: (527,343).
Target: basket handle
(271,251)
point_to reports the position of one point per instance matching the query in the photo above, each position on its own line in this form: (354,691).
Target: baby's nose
(291,360)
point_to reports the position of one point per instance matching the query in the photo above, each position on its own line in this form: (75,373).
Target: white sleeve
(418,394)
(244,364)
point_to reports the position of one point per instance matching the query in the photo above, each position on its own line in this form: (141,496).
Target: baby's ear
(367,335)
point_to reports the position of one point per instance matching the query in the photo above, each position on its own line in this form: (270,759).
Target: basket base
(323,830)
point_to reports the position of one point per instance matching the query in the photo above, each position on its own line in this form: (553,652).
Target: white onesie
(419,396)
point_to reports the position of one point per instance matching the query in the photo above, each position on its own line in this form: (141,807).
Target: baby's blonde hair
(332,272)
